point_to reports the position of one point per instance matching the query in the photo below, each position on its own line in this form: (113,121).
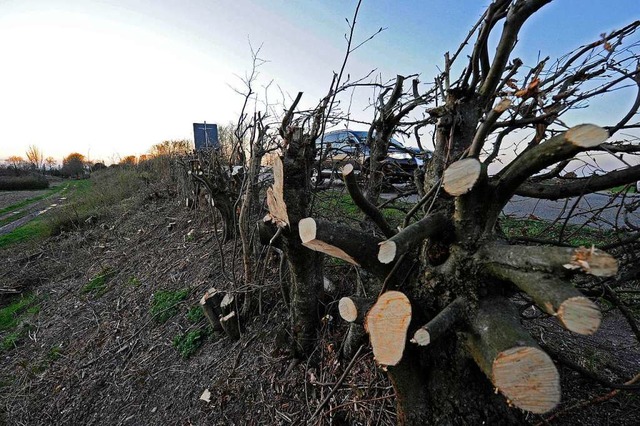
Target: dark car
(340,147)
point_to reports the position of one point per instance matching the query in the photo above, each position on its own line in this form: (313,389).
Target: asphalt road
(597,210)
(601,210)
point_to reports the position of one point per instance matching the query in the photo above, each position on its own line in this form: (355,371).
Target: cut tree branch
(511,359)
(554,296)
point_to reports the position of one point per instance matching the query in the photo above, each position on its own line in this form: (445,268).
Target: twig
(337,385)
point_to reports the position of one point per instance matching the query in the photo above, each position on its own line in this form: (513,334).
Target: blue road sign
(205,135)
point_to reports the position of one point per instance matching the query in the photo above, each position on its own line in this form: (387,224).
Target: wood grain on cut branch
(551,259)
(363,204)
(560,147)
(511,359)
(431,226)
(441,323)
(554,296)
(354,309)
(275,195)
(565,188)
(344,242)
(461,176)
(387,323)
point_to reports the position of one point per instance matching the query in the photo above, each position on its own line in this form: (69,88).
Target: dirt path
(33,210)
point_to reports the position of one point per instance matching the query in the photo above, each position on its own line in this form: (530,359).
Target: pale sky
(110,78)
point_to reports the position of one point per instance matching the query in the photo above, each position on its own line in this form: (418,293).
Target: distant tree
(16,162)
(35,157)
(50,161)
(171,148)
(129,160)
(142,158)
(73,165)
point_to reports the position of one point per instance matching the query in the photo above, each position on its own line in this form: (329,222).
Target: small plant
(164,305)
(195,314)
(9,315)
(10,340)
(133,281)
(187,344)
(54,353)
(98,284)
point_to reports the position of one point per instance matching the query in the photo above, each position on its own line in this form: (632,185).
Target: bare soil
(101,358)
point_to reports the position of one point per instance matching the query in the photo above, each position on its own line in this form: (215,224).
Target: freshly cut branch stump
(511,359)
(412,236)
(387,323)
(441,323)
(308,234)
(354,309)
(210,304)
(227,304)
(346,243)
(231,325)
(461,176)
(275,195)
(556,297)
(551,259)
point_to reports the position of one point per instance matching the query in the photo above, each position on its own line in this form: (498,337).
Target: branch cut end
(387,252)
(461,176)
(528,378)
(348,309)
(586,135)
(387,323)
(580,315)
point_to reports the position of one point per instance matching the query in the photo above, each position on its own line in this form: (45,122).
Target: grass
(165,303)
(340,204)
(195,314)
(10,317)
(36,229)
(187,344)
(573,235)
(98,284)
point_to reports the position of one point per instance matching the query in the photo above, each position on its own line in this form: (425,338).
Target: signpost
(205,135)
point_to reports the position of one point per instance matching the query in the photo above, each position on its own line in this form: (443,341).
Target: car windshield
(362,137)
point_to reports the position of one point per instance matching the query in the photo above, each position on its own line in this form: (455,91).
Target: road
(582,210)
(610,210)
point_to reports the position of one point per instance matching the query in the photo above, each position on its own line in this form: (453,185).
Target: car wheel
(316,177)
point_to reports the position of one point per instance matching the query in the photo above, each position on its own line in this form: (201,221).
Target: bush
(19,183)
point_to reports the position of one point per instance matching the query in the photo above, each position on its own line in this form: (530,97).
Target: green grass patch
(10,341)
(98,284)
(195,314)
(35,229)
(9,315)
(133,281)
(340,204)
(187,344)
(165,303)
(573,235)
(54,354)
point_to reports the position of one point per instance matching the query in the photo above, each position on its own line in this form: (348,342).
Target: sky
(110,78)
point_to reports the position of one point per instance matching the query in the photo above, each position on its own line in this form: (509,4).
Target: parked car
(340,147)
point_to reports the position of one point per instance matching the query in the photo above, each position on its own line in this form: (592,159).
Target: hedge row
(17,183)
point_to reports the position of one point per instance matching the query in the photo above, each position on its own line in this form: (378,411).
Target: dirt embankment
(92,352)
